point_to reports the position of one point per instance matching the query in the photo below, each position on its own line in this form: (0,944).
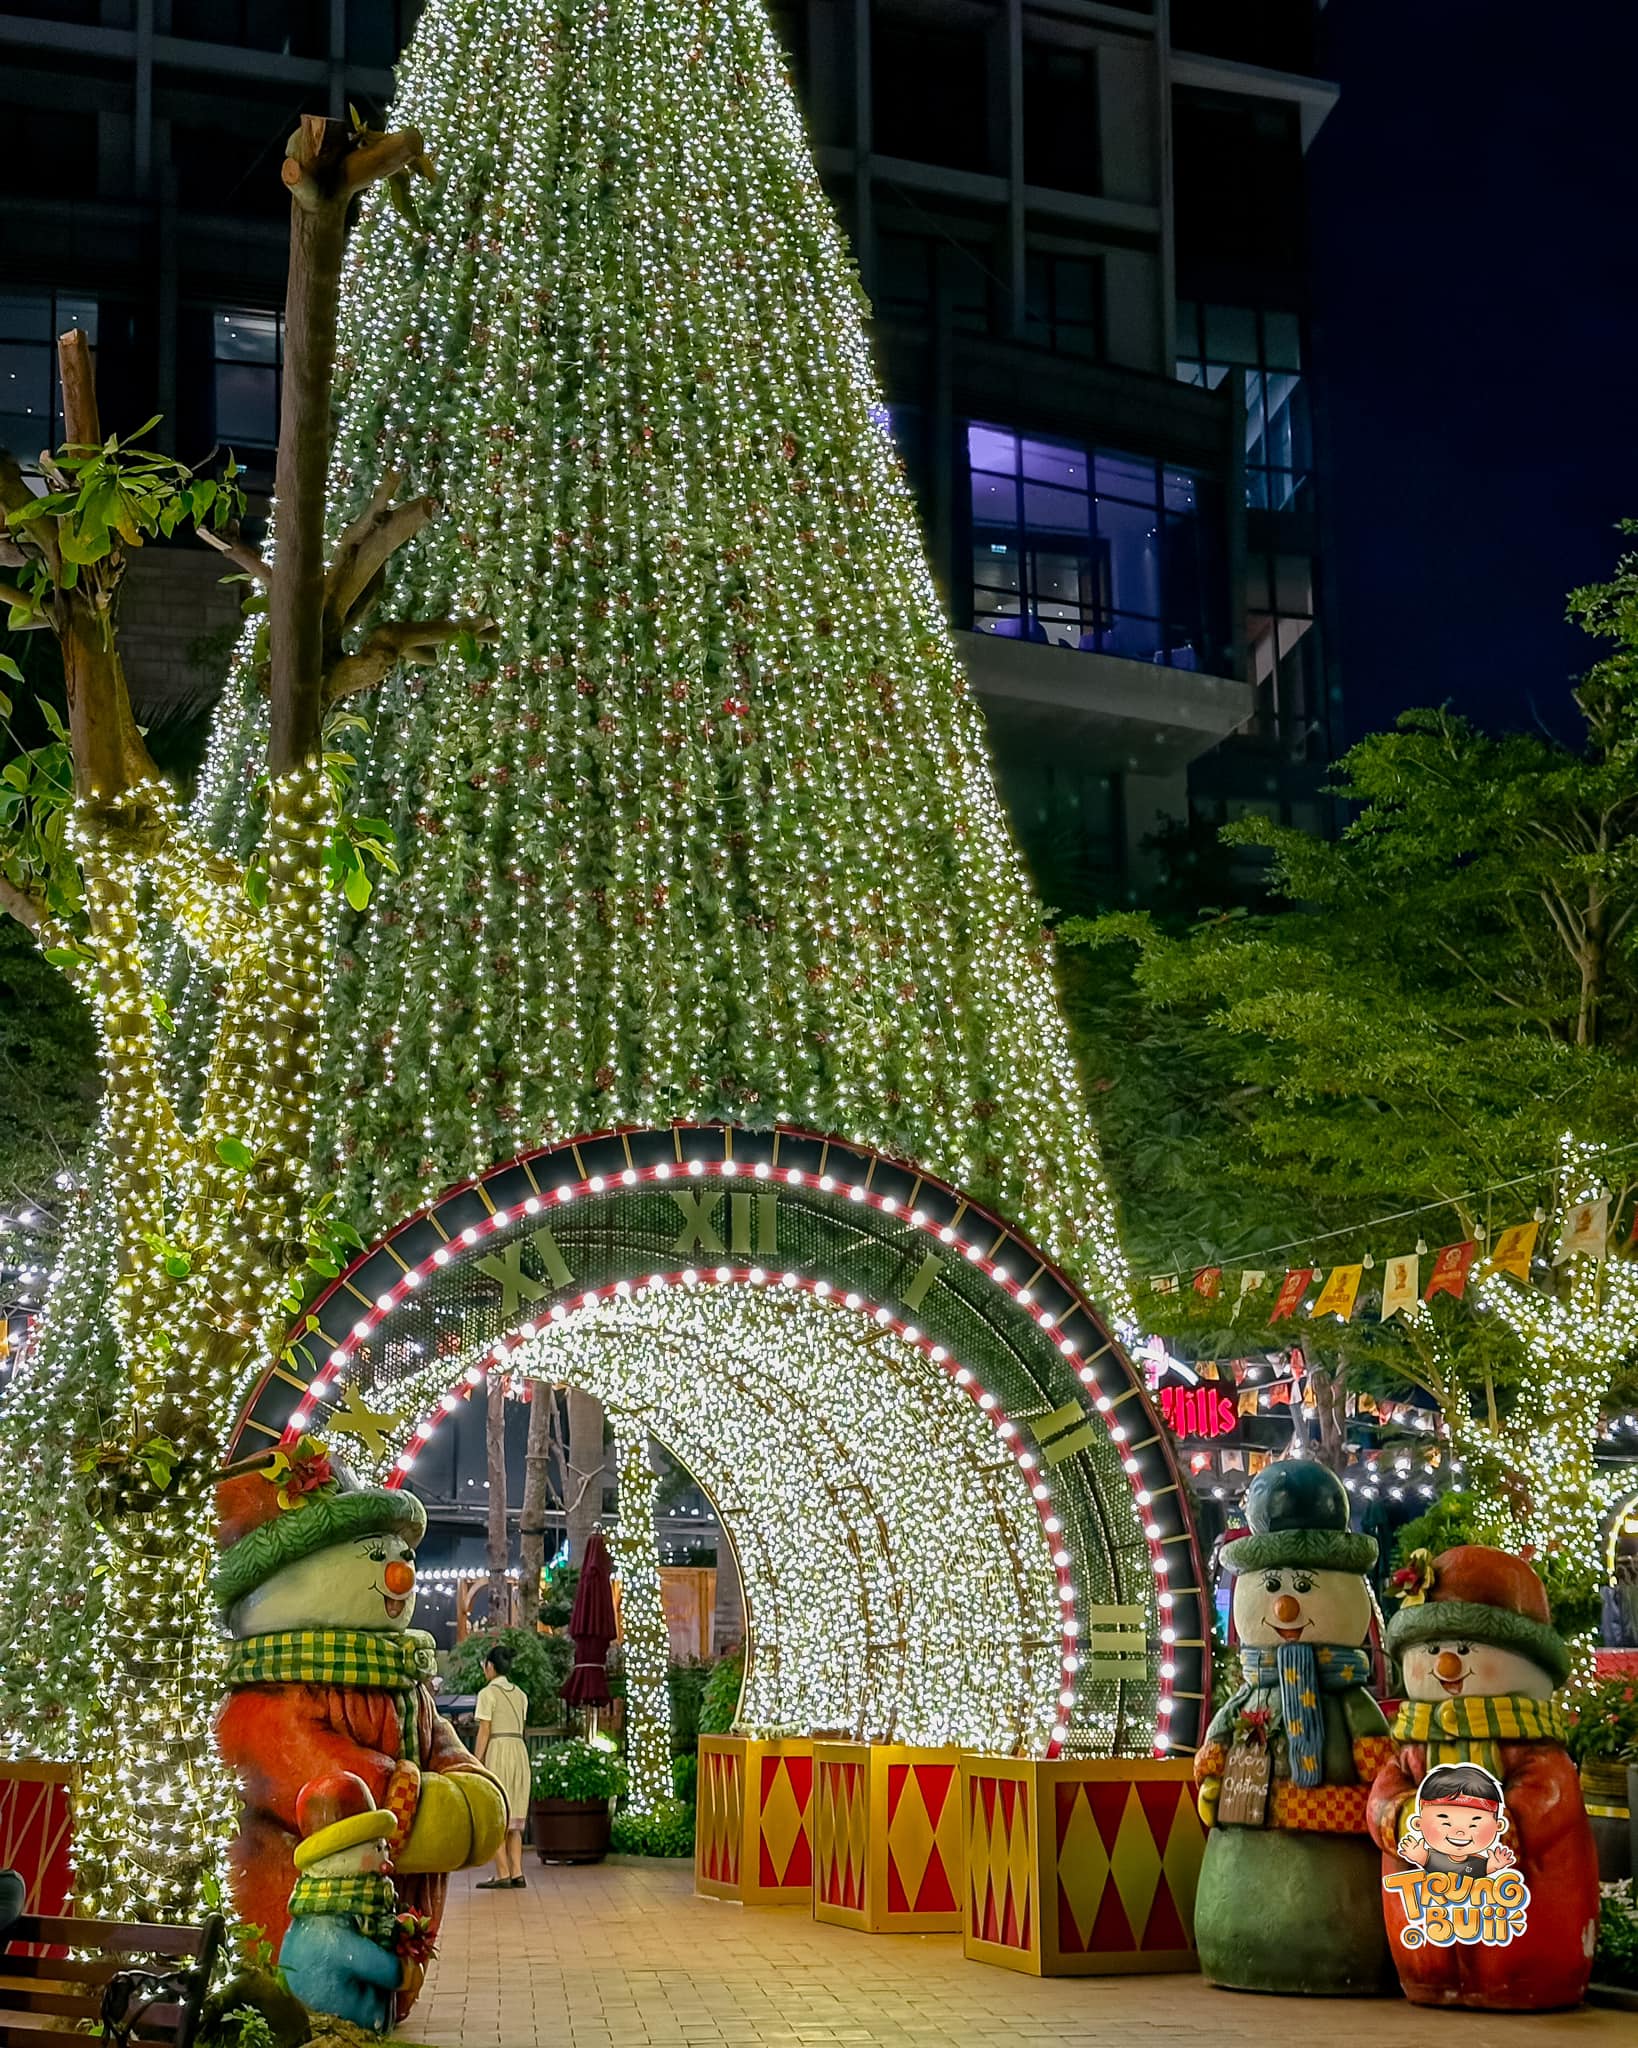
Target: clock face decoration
(825,1304)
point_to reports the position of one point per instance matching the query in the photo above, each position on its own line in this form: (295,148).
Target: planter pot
(570,1830)
(1604,1791)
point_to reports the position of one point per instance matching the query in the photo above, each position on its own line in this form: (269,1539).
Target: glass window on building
(1063,302)
(31,413)
(935,90)
(1090,549)
(1283,649)
(1062,146)
(248,352)
(949,264)
(294,28)
(1265,350)
(377,30)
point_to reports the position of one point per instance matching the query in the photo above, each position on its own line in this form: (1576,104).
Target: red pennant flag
(1280,1396)
(1450,1270)
(1208,1282)
(1292,1289)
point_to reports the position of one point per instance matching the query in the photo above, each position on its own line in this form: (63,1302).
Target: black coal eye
(1271,1582)
(377,1552)
(1302,1584)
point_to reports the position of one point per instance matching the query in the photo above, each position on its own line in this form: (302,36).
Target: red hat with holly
(1482,1596)
(276,1509)
(335,1812)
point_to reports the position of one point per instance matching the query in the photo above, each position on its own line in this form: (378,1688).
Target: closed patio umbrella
(591,1630)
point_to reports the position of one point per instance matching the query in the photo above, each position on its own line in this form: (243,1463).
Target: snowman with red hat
(1489,1870)
(340,1953)
(316,1576)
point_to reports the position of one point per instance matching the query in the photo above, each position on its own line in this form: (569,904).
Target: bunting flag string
(1408,1278)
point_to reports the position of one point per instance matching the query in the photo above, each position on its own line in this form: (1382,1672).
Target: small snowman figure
(339,1954)
(1484,1837)
(316,1576)
(1287,1898)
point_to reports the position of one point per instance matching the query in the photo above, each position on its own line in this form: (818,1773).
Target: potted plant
(573,1787)
(1604,1742)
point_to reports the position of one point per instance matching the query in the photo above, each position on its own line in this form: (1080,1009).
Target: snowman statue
(316,1577)
(1489,1869)
(1287,1899)
(340,1954)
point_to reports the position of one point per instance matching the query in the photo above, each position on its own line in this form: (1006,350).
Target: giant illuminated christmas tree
(711,831)
(708,831)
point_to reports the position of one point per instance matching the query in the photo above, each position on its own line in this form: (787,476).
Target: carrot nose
(1286,1609)
(1447,1665)
(400,1576)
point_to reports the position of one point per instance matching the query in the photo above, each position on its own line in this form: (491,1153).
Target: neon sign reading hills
(1198,1411)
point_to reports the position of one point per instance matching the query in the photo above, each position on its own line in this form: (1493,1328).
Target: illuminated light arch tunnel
(956,1514)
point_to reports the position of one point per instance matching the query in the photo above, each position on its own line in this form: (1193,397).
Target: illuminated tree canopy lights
(711,830)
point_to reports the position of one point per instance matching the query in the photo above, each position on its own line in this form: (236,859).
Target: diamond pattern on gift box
(1000,1862)
(721,1817)
(784,1846)
(842,1829)
(919,1879)
(1128,1863)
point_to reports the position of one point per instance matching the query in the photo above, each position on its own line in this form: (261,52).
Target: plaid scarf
(396,1660)
(1468,1731)
(1302,1671)
(369,1898)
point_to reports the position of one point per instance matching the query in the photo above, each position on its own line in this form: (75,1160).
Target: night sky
(1478,308)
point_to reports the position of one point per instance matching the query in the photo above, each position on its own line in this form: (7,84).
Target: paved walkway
(622,1955)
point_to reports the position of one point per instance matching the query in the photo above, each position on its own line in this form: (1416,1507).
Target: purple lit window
(1090,549)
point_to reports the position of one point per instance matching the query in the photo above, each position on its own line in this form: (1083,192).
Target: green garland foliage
(719,1702)
(685,1687)
(667,1831)
(539,1666)
(1616,1959)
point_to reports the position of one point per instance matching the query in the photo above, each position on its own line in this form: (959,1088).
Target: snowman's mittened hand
(460,1820)
(1206,1795)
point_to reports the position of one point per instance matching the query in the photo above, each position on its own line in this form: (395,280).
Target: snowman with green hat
(1288,1889)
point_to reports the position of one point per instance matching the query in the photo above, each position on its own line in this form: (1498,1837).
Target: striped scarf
(370,1898)
(1302,1671)
(395,1660)
(1469,1731)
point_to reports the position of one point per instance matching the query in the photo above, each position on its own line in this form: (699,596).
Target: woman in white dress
(503,1710)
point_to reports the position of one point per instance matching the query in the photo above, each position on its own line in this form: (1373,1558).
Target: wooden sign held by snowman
(1287,1894)
(1489,1871)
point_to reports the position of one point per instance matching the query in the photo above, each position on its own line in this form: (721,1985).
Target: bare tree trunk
(499,1544)
(583,1495)
(537,1464)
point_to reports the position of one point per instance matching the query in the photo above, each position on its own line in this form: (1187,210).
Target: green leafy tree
(1448,1003)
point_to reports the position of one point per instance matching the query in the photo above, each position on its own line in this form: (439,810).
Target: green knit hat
(280,1513)
(1479,1595)
(1298,1515)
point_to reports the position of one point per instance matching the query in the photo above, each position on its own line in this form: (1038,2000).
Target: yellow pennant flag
(1400,1288)
(1248,1402)
(1514,1250)
(1336,1297)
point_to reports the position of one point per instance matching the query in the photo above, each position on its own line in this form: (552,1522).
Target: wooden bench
(146,1983)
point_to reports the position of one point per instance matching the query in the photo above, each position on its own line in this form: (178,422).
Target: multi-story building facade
(1081,225)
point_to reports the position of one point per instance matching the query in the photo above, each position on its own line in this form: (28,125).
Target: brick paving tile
(622,1955)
